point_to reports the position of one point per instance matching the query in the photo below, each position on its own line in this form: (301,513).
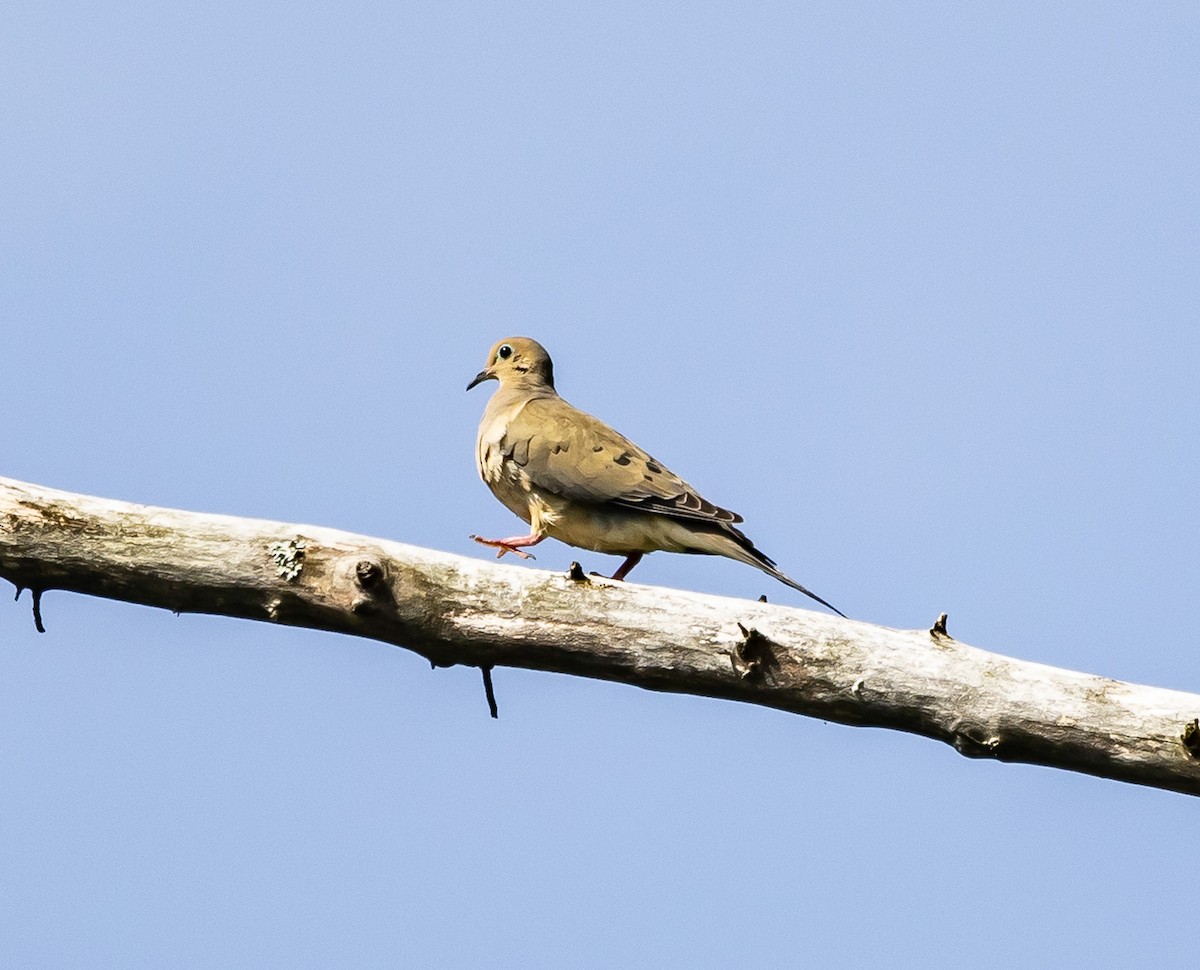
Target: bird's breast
(488,452)
(500,473)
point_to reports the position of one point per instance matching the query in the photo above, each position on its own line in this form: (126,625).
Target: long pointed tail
(788,581)
(737,546)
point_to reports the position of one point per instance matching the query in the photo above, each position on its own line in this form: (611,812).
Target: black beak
(483,375)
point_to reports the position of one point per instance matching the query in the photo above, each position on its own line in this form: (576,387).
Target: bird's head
(517,361)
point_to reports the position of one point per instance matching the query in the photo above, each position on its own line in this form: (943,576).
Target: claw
(502,549)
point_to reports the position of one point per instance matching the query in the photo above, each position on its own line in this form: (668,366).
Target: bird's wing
(570,453)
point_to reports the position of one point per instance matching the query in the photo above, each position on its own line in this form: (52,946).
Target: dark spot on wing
(654,466)
(560,447)
(623,458)
(597,447)
(518,451)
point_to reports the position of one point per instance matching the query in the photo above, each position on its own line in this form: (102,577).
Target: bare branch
(456,610)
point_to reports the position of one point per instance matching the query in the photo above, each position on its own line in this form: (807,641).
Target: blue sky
(913,288)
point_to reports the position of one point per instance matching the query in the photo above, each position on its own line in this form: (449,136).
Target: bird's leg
(630,561)
(512,544)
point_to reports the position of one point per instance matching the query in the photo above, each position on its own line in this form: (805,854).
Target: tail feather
(787,580)
(734,545)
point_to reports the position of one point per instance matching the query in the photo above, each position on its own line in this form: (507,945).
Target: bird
(575,479)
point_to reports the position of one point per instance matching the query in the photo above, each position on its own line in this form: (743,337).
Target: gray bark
(452,609)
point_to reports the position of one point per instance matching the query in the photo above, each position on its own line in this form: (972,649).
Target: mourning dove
(572,477)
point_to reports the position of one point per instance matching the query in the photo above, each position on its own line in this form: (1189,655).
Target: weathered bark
(456,610)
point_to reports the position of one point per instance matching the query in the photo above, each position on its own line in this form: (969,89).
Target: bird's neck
(511,396)
(523,389)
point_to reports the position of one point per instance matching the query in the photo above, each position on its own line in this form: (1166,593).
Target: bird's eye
(504,352)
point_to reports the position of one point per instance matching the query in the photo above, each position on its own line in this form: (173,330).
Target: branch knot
(754,657)
(1191,737)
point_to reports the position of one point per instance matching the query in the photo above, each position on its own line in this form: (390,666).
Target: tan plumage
(572,477)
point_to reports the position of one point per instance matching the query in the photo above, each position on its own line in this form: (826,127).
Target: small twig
(489,690)
(37,610)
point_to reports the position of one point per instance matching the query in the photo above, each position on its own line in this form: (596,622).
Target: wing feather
(570,453)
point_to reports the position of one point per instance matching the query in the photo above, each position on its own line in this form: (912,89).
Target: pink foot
(513,544)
